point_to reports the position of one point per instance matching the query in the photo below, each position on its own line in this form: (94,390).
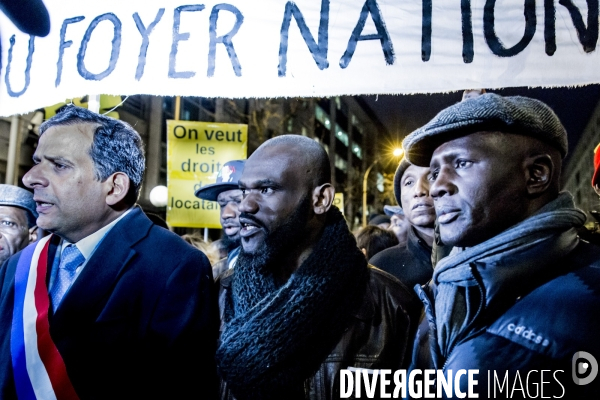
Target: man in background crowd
(398,222)
(380,220)
(592,234)
(516,295)
(411,262)
(226,192)
(373,239)
(596,176)
(123,309)
(17,220)
(301,303)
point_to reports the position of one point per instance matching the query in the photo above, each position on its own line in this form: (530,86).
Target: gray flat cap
(490,113)
(14,196)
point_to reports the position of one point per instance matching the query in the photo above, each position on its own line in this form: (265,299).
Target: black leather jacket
(380,336)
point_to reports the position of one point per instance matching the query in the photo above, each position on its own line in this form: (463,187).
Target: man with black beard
(225,191)
(272,254)
(302,303)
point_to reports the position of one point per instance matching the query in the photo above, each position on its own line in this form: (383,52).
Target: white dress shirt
(87,246)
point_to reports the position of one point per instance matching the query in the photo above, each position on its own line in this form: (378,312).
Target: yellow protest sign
(196,151)
(338,201)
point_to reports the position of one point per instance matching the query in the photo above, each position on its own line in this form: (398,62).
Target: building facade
(345,126)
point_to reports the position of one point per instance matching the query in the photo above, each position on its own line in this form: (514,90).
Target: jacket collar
(417,246)
(105,267)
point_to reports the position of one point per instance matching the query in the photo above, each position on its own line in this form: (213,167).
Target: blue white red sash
(38,367)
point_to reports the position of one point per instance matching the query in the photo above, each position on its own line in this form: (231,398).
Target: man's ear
(117,188)
(539,173)
(33,234)
(323,198)
(597,189)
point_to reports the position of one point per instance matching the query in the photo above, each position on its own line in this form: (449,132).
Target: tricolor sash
(38,368)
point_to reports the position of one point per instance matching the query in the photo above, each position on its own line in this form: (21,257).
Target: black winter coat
(535,341)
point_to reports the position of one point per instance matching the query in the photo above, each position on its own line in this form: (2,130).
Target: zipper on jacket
(476,332)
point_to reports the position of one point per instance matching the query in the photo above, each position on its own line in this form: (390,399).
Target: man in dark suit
(121,308)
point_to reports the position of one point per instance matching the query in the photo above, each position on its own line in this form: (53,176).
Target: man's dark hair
(374,239)
(314,157)
(116,146)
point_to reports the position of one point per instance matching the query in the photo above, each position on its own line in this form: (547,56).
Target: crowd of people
(480,267)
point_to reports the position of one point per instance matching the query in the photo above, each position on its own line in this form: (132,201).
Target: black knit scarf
(276,337)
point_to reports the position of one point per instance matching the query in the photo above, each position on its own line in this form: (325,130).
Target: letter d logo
(582,364)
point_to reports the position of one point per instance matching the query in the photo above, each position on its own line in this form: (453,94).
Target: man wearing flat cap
(517,297)
(17,220)
(226,192)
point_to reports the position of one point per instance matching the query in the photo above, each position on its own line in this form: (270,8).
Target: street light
(365,178)
(159,196)
(397,152)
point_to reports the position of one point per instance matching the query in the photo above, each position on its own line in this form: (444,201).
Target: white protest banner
(271,48)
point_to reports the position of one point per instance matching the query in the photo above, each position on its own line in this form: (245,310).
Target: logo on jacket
(528,334)
(584,367)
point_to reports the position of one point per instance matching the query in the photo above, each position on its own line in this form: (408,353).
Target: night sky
(405,113)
